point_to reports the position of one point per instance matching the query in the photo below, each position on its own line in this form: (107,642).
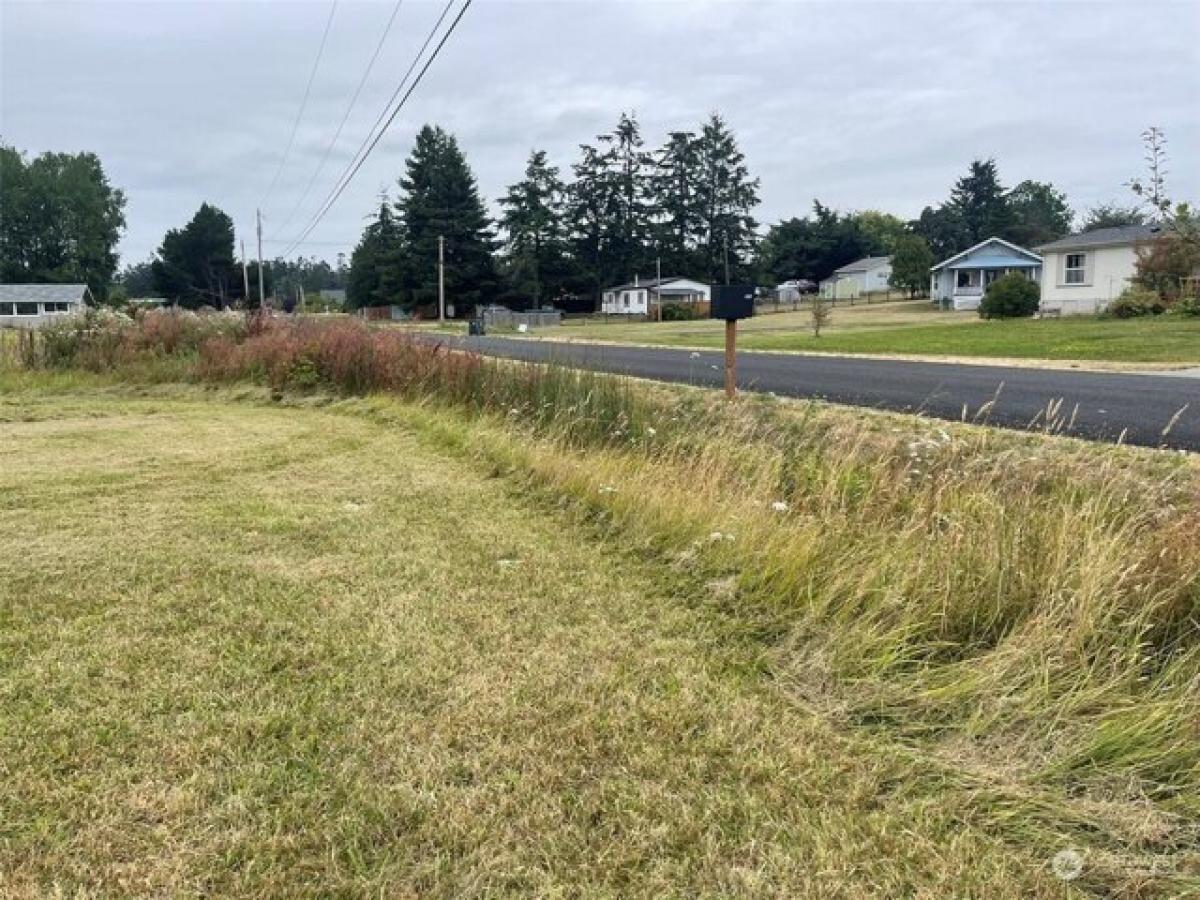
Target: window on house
(625,299)
(963,279)
(1075,268)
(6,309)
(27,309)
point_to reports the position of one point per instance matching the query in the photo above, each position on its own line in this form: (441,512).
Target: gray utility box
(732,301)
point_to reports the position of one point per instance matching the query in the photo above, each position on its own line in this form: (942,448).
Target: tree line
(621,210)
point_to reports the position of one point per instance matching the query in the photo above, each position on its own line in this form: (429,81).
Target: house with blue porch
(960,281)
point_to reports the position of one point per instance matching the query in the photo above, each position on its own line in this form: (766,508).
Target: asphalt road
(1134,408)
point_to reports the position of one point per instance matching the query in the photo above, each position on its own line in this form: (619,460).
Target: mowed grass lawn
(255,650)
(919,329)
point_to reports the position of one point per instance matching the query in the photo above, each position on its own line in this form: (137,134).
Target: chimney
(635,279)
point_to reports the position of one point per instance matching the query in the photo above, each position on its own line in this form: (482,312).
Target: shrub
(678,312)
(1136,301)
(1010,296)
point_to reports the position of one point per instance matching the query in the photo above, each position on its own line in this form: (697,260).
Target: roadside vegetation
(1003,629)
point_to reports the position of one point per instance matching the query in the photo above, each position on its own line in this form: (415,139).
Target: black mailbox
(732,301)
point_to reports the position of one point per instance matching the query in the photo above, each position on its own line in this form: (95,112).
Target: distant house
(868,275)
(1083,273)
(643,295)
(961,280)
(33,305)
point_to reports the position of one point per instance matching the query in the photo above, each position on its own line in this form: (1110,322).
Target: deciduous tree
(61,220)
(911,262)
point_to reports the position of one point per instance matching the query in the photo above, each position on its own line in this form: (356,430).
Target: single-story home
(643,295)
(33,305)
(869,275)
(1083,273)
(961,280)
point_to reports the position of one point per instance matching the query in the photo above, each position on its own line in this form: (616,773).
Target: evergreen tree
(195,265)
(588,201)
(533,225)
(629,214)
(676,203)
(725,197)
(980,203)
(440,198)
(375,276)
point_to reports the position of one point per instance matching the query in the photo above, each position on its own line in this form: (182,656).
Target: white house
(961,280)
(32,305)
(642,296)
(1083,273)
(868,275)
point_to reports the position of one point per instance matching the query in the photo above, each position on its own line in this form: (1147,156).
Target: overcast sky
(863,105)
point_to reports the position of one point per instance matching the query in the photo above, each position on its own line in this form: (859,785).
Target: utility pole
(262,297)
(301,298)
(441,279)
(658,284)
(245,277)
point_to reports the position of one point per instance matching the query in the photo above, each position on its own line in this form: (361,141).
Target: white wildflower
(652,431)
(1067,864)
(607,489)
(779,506)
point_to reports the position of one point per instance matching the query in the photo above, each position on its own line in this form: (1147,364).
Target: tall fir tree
(981,203)
(440,198)
(676,203)
(376,276)
(535,251)
(726,196)
(588,202)
(628,231)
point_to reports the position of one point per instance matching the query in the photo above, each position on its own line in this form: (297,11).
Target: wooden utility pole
(441,279)
(245,278)
(262,297)
(730,358)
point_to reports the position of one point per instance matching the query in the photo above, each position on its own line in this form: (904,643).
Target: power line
(349,108)
(303,105)
(362,157)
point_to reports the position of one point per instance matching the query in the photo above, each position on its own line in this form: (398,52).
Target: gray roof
(1105,237)
(653,282)
(44,293)
(863,265)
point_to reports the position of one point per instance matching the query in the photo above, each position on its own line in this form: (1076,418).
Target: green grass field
(916,328)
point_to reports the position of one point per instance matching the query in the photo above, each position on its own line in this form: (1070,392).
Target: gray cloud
(864,105)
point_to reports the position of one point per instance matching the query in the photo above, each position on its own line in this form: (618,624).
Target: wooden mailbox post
(732,302)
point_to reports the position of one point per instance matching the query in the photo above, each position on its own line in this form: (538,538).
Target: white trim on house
(961,280)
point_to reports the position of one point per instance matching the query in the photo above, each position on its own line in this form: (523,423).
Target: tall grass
(1025,607)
